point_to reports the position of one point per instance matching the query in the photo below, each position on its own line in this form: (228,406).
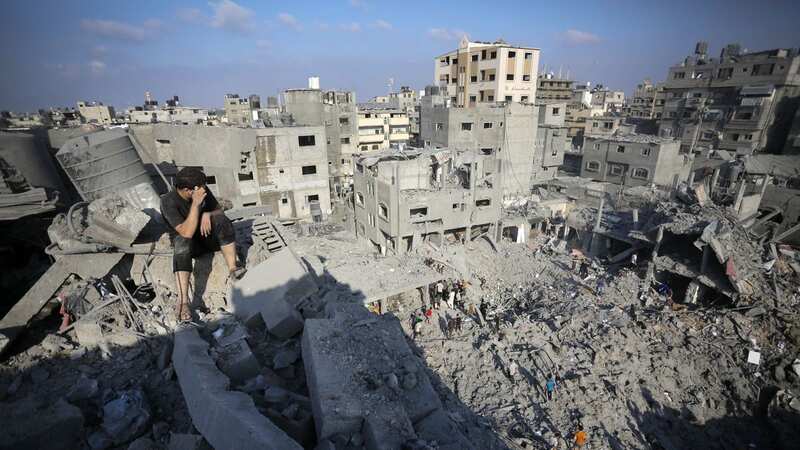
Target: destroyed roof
(638,138)
(369,159)
(779,165)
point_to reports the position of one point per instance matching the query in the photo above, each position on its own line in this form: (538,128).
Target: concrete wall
(662,162)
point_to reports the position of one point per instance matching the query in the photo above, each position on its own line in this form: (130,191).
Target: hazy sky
(57,52)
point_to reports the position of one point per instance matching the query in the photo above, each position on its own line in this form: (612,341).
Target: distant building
(484,72)
(648,101)
(407,100)
(336,111)
(379,127)
(552,88)
(94,112)
(742,102)
(405,198)
(505,131)
(601,125)
(607,100)
(285,168)
(241,111)
(634,160)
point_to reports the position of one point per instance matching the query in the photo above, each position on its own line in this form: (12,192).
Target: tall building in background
(337,112)
(554,88)
(741,101)
(648,100)
(380,127)
(487,72)
(241,111)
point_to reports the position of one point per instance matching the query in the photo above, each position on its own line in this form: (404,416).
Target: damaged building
(405,198)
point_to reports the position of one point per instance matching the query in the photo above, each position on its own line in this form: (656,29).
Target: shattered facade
(404,198)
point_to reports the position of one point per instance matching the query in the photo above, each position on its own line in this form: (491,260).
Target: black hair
(189,177)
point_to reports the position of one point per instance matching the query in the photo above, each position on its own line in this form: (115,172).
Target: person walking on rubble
(601,286)
(199,227)
(550,386)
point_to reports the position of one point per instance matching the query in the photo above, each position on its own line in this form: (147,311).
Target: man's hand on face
(198,195)
(205,224)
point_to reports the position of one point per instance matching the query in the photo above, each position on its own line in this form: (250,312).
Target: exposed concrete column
(767,179)
(521,233)
(566,231)
(599,214)
(659,237)
(714,179)
(739,195)
(635,218)
(690,181)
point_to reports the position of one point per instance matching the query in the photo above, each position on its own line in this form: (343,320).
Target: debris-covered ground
(633,367)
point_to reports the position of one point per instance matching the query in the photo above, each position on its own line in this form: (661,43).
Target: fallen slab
(226,419)
(40,424)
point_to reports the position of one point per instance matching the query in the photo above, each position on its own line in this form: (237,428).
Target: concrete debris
(126,417)
(36,423)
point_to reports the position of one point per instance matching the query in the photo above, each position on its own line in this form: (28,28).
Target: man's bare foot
(183,313)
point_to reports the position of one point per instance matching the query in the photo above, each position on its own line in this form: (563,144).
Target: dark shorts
(187,249)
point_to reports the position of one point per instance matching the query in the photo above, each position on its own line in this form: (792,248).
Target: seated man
(195,215)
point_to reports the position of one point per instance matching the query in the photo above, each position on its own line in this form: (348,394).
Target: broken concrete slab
(228,420)
(282,277)
(238,362)
(281,318)
(439,428)
(179,441)
(34,423)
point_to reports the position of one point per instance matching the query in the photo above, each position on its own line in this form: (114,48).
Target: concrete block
(437,426)
(281,277)
(227,419)
(387,429)
(40,424)
(238,362)
(301,428)
(282,320)
(334,412)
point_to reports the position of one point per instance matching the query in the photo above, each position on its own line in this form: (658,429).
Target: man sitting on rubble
(195,215)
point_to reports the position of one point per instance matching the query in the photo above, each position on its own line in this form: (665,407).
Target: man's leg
(222,231)
(182,266)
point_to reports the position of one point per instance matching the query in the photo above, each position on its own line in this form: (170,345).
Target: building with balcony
(487,72)
(96,112)
(406,197)
(551,141)
(634,160)
(380,127)
(607,100)
(742,102)
(241,111)
(552,88)
(337,112)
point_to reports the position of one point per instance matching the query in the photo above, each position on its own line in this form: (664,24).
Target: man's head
(187,179)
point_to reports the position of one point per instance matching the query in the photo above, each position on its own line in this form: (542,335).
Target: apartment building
(404,198)
(178,114)
(241,111)
(648,100)
(601,125)
(337,112)
(552,88)
(505,131)
(380,127)
(96,112)
(487,72)
(607,100)
(740,101)
(285,168)
(634,160)
(551,141)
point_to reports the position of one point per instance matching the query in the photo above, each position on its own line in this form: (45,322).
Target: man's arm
(189,226)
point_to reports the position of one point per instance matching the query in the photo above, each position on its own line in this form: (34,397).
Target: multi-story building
(551,141)
(740,101)
(487,72)
(648,100)
(407,100)
(285,168)
(406,197)
(582,94)
(607,100)
(380,127)
(177,114)
(336,111)
(95,112)
(241,111)
(634,160)
(506,131)
(601,125)
(552,88)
